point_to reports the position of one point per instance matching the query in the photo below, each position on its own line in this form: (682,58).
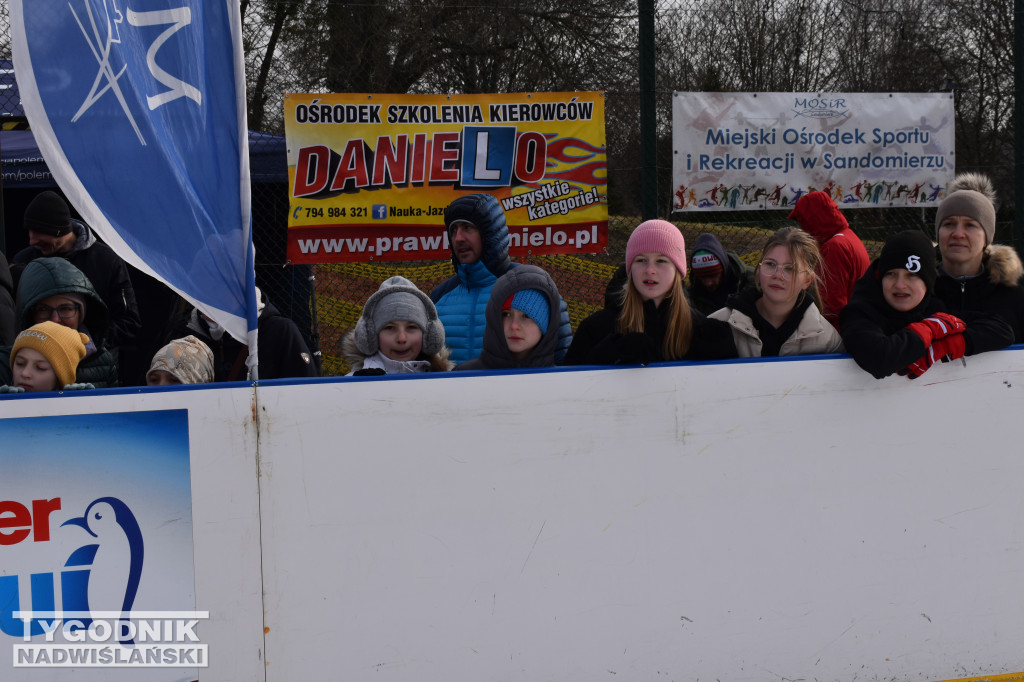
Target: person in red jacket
(843,256)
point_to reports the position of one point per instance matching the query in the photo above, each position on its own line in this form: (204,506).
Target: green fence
(446,46)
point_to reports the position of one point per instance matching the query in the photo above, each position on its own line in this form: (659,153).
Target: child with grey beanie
(398,333)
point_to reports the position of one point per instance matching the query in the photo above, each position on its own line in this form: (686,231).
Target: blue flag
(139,112)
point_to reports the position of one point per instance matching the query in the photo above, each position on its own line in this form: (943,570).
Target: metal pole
(1018,125)
(648,113)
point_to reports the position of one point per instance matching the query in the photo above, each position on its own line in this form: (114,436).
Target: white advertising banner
(737,520)
(748,151)
(129,537)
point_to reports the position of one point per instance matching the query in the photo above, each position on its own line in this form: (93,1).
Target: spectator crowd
(69,315)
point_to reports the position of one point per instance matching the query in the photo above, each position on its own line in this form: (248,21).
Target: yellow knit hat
(62,347)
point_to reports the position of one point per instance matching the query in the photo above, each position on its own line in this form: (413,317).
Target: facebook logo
(380,211)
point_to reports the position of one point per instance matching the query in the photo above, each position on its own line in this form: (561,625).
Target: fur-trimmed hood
(1003,265)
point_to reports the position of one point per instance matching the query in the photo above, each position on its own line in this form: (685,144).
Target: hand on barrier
(11,389)
(78,387)
(369,372)
(916,369)
(937,326)
(950,348)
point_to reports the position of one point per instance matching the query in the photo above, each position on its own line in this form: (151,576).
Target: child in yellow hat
(45,357)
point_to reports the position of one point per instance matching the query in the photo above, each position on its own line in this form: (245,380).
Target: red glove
(916,369)
(937,326)
(950,348)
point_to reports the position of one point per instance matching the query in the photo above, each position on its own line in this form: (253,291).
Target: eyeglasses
(65,311)
(770,267)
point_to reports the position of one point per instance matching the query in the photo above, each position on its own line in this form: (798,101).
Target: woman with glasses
(52,289)
(781,315)
(650,319)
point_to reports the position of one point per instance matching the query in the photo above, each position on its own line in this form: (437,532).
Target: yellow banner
(370,175)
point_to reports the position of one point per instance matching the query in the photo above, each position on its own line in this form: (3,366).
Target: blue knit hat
(533,304)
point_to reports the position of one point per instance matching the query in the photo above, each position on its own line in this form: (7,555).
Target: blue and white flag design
(139,112)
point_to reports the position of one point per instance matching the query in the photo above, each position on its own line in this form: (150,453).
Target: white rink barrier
(746,520)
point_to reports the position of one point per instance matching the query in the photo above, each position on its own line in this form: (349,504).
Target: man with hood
(715,274)
(843,255)
(479,241)
(54,289)
(52,232)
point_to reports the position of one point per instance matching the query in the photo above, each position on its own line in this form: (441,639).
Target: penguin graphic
(115,561)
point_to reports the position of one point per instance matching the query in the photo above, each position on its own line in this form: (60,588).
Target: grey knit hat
(398,299)
(972,204)
(188,360)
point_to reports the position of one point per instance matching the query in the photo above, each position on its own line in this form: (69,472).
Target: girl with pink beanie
(653,321)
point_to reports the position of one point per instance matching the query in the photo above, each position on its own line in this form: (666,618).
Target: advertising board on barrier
(96,536)
(370,175)
(746,151)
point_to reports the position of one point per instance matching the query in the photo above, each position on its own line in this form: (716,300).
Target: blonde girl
(782,314)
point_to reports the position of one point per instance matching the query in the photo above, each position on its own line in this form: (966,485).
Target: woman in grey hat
(977,276)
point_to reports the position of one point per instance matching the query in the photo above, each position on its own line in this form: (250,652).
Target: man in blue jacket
(478,236)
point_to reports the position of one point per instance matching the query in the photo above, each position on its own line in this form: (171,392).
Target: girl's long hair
(676,343)
(803,249)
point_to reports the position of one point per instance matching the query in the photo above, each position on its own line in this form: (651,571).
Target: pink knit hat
(658,236)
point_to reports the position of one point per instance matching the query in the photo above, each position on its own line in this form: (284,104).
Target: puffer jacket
(45,277)
(997,291)
(461,300)
(495,353)
(813,334)
(843,255)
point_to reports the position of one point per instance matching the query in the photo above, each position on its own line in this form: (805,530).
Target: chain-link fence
(451,46)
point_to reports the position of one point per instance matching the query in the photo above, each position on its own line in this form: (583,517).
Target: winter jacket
(461,300)
(811,332)
(736,276)
(8,317)
(45,277)
(876,334)
(997,291)
(843,255)
(598,341)
(281,350)
(109,277)
(495,353)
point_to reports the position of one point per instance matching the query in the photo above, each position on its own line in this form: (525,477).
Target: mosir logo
(83,610)
(821,107)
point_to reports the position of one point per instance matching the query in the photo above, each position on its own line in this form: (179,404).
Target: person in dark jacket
(281,350)
(53,233)
(653,321)
(893,319)
(54,289)
(8,317)
(479,240)
(715,274)
(522,322)
(843,256)
(976,276)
